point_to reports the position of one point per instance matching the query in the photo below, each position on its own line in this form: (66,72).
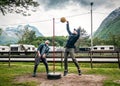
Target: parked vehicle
(22,47)
(84,49)
(56,48)
(103,48)
(4,48)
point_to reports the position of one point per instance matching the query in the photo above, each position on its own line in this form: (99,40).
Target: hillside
(110,25)
(13,34)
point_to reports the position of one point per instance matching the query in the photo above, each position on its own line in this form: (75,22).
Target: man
(69,48)
(42,52)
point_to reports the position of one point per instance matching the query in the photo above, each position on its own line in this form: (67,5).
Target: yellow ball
(63,19)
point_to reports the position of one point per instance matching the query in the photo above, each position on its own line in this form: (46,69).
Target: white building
(22,47)
(56,48)
(103,48)
(4,48)
(51,48)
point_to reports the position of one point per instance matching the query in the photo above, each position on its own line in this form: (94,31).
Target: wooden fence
(85,57)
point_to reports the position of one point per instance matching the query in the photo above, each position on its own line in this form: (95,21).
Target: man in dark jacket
(42,51)
(69,48)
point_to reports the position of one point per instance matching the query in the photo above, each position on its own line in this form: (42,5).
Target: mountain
(110,25)
(33,28)
(13,34)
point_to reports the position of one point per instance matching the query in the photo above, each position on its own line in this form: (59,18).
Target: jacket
(72,37)
(43,49)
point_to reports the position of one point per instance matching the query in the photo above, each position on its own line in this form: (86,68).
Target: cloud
(53,4)
(61,4)
(76,11)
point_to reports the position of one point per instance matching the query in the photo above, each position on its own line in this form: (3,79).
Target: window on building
(95,48)
(28,48)
(3,48)
(14,48)
(33,48)
(102,48)
(111,48)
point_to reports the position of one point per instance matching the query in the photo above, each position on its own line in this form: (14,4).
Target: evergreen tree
(17,6)
(28,36)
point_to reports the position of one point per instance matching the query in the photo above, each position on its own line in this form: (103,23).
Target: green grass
(7,74)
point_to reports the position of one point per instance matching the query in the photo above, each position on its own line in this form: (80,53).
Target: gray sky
(58,4)
(77,12)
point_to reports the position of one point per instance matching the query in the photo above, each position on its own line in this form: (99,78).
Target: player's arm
(68,28)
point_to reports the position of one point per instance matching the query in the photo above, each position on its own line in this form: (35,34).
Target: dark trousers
(37,61)
(69,51)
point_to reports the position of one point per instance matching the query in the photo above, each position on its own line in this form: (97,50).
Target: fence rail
(90,57)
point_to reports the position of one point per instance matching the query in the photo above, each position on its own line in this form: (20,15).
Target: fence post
(118,59)
(62,59)
(9,58)
(91,59)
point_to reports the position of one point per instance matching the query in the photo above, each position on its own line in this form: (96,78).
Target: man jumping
(70,47)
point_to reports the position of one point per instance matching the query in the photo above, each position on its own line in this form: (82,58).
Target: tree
(0,31)
(98,41)
(114,39)
(28,36)
(83,39)
(60,40)
(17,6)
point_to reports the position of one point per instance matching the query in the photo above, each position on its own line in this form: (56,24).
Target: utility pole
(91,35)
(91,26)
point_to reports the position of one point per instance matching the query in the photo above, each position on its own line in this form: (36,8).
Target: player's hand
(44,55)
(67,22)
(79,28)
(39,55)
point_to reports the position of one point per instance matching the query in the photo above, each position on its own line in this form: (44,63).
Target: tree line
(29,37)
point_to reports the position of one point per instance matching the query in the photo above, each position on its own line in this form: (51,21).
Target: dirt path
(69,80)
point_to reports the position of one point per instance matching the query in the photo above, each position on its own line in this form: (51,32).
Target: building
(4,48)
(103,48)
(22,47)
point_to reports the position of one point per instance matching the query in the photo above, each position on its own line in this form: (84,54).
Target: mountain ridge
(110,25)
(12,34)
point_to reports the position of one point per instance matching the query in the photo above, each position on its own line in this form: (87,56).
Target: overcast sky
(77,12)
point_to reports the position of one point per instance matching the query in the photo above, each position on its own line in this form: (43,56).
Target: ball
(63,19)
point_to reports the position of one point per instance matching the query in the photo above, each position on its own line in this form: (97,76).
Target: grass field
(8,74)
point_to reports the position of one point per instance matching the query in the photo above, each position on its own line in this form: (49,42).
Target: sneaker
(65,73)
(79,72)
(34,75)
